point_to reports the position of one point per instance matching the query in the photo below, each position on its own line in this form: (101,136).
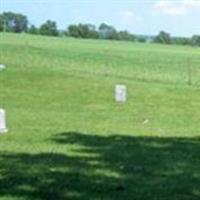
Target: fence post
(189,70)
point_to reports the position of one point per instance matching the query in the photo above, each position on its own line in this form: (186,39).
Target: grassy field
(69,139)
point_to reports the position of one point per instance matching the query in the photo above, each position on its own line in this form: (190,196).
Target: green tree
(73,31)
(163,38)
(107,32)
(181,40)
(33,30)
(1,23)
(21,23)
(93,33)
(195,40)
(141,38)
(82,31)
(13,22)
(49,28)
(125,35)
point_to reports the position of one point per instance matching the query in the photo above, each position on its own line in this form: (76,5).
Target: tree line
(18,23)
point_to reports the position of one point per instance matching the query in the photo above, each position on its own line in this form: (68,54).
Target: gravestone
(2,67)
(120,93)
(2,121)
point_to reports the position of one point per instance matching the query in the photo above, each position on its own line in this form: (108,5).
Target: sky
(147,17)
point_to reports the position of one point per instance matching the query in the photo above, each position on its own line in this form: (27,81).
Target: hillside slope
(69,139)
(72,81)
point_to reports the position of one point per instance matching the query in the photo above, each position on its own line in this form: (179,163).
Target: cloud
(176,8)
(127,17)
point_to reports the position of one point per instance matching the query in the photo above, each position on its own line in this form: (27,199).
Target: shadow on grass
(100,167)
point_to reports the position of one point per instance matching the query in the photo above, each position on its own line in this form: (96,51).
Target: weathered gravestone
(2,67)
(120,93)
(2,121)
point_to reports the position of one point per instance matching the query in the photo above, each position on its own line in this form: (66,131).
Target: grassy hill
(69,139)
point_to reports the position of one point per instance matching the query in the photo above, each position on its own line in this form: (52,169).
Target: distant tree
(21,23)
(1,23)
(13,22)
(181,40)
(141,39)
(195,40)
(107,32)
(125,35)
(73,31)
(82,31)
(33,30)
(93,33)
(49,28)
(163,38)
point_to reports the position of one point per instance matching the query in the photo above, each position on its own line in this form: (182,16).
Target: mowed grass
(69,139)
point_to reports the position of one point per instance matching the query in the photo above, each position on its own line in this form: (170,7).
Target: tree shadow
(105,167)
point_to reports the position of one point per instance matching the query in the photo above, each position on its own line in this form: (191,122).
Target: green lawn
(69,139)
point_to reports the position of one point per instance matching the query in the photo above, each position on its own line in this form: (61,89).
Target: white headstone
(2,121)
(120,93)
(2,67)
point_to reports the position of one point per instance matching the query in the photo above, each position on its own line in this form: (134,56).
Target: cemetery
(102,120)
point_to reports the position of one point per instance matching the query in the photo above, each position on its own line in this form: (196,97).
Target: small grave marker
(120,93)
(2,67)
(2,121)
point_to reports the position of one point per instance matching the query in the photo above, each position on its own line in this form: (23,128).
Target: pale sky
(178,17)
